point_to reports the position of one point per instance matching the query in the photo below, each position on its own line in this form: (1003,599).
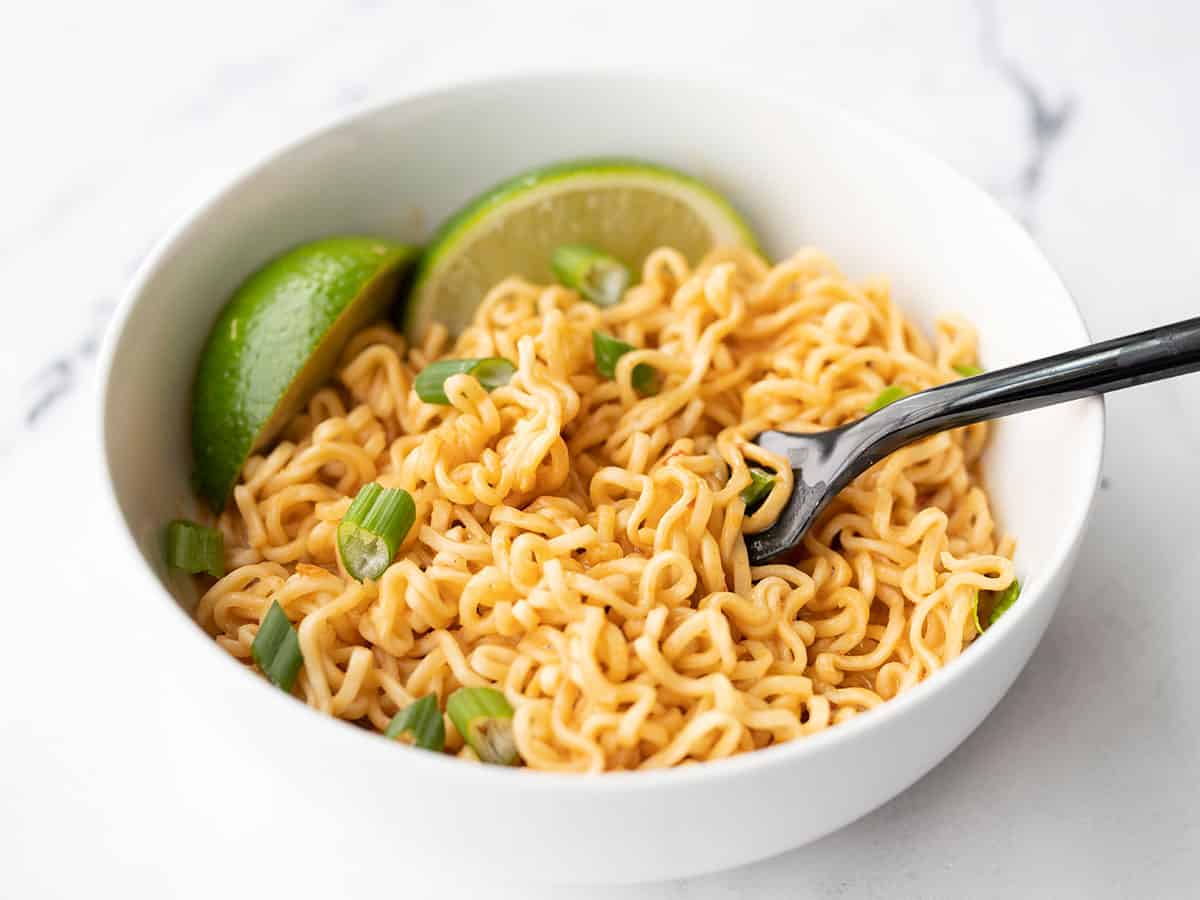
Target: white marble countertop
(1080,116)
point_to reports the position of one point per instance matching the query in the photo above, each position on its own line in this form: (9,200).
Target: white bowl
(803,174)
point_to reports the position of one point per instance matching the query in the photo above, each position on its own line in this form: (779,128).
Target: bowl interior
(803,175)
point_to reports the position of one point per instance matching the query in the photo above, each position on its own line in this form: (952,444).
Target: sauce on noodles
(580,547)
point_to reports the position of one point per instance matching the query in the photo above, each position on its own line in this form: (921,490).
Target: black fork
(825,462)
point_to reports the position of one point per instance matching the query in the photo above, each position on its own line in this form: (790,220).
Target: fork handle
(1095,369)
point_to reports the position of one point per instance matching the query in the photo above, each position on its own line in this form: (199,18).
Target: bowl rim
(367,744)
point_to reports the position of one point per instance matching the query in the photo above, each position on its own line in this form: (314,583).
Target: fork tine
(813,459)
(803,507)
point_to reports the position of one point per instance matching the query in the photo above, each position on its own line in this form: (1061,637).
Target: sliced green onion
(968,371)
(276,648)
(1001,601)
(195,548)
(595,275)
(1004,600)
(886,396)
(420,723)
(491,373)
(762,482)
(608,350)
(373,528)
(484,719)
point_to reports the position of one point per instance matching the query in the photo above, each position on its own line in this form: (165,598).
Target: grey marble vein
(1047,121)
(62,374)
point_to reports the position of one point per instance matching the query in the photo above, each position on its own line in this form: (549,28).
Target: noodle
(580,547)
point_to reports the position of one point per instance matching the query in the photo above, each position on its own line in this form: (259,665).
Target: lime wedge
(277,339)
(624,207)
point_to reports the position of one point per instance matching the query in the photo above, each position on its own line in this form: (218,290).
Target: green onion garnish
(421,724)
(761,483)
(595,275)
(608,350)
(1004,600)
(886,396)
(373,528)
(195,548)
(491,373)
(484,719)
(276,648)
(1000,603)
(968,371)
